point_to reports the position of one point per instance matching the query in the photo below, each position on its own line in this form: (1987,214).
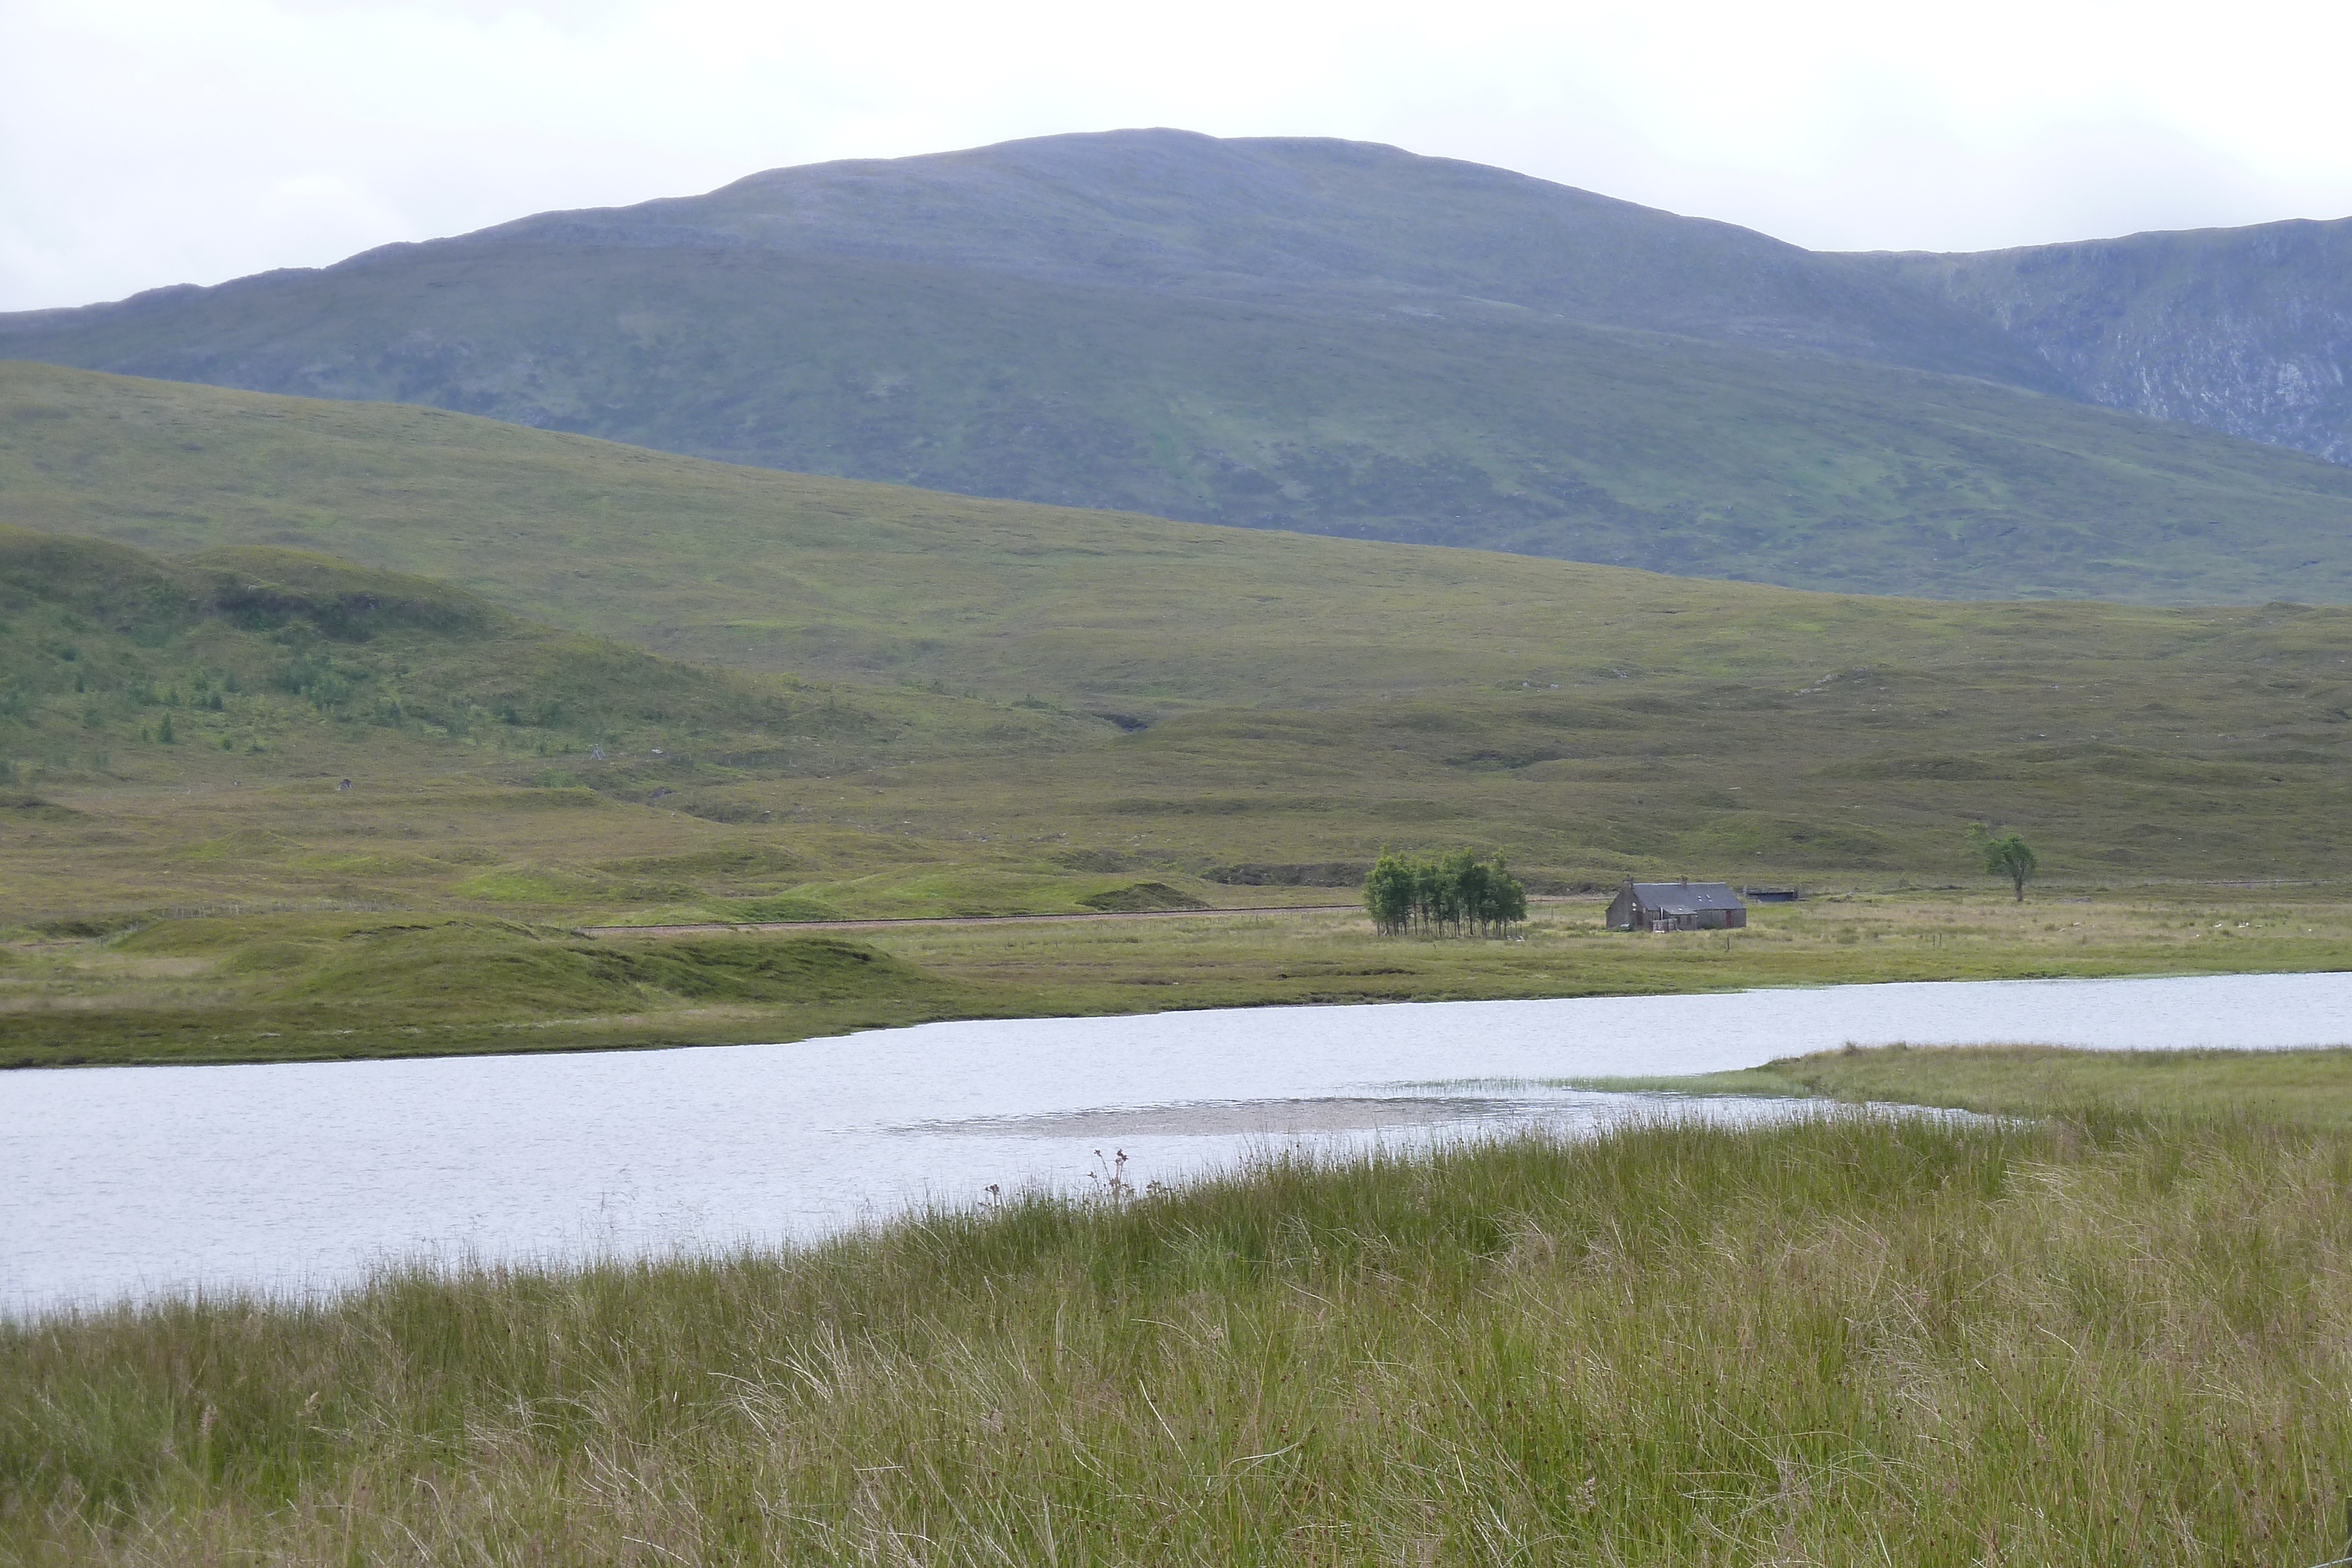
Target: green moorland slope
(236,644)
(273,751)
(1849,1341)
(1397,348)
(1221,698)
(1270,698)
(1030,709)
(188,881)
(123,666)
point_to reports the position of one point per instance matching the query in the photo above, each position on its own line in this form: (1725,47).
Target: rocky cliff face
(2244,331)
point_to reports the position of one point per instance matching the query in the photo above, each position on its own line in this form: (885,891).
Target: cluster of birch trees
(1451,895)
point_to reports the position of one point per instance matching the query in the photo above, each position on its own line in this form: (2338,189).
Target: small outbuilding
(1681,905)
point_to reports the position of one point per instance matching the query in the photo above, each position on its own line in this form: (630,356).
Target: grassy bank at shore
(2304,1088)
(293,985)
(1845,1341)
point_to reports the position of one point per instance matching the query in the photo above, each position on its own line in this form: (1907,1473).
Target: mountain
(2244,331)
(1318,336)
(1318,225)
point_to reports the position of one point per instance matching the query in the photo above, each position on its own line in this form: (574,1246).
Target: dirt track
(718,926)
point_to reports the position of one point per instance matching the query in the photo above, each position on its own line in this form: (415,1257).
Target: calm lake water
(141,1181)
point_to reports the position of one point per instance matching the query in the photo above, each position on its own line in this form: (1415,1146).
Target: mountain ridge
(1775,297)
(1264,216)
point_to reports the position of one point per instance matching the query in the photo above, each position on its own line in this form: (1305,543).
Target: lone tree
(2005,855)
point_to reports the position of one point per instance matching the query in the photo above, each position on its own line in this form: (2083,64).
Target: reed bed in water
(1849,1340)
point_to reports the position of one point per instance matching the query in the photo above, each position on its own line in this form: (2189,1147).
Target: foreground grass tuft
(1851,1340)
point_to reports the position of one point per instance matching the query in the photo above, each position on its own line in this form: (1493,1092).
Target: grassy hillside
(187,880)
(1370,365)
(242,649)
(1212,699)
(1845,1341)
(123,665)
(252,725)
(997,708)
(233,787)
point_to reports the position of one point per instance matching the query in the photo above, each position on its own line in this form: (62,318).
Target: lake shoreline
(687,1033)
(366,985)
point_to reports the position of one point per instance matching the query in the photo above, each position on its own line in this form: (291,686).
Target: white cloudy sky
(150,142)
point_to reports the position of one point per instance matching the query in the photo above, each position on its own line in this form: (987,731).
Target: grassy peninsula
(2299,1088)
(1853,1340)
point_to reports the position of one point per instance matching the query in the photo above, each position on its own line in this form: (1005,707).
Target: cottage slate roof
(1693,896)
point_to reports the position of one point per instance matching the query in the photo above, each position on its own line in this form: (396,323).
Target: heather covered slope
(256,663)
(1302,335)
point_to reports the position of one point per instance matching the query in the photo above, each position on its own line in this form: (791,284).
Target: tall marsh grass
(1849,1340)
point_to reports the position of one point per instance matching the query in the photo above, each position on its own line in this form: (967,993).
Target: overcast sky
(152,141)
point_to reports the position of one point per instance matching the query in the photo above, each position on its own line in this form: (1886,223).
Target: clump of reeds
(1850,1340)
